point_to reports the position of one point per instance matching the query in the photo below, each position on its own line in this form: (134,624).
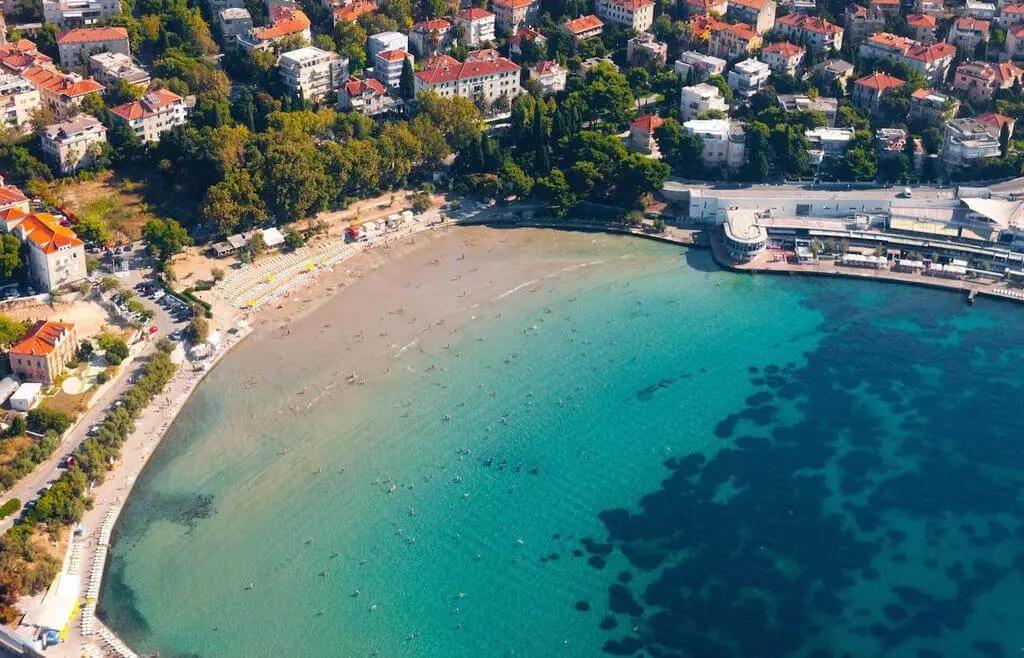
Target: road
(28,487)
(811,191)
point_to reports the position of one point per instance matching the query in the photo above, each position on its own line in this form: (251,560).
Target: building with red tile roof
(633,14)
(583,27)
(641,133)
(1015,41)
(22,54)
(815,33)
(155,113)
(550,75)
(484,75)
(783,57)
(477,25)
(40,356)
(702,7)
(730,41)
(967,32)
(759,14)
(431,37)
(59,91)
(75,46)
(524,35)
(368,97)
(922,27)
(510,14)
(869,91)
(286,21)
(56,256)
(353,11)
(980,80)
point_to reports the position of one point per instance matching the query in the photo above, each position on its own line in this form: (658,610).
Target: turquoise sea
(644,457)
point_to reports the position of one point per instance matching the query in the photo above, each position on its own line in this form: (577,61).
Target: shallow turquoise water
(647,457)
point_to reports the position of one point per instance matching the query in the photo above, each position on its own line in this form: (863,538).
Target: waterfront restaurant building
(744,237)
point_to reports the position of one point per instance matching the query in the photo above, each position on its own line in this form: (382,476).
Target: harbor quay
(969,239)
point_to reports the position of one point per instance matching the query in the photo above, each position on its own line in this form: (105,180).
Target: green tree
(1004,139)
(758,157)
(43,419)
(351,40)
(234,203)
(10,257)
(407,84)
(115,349)
(11,331)
(92,228)
(166,237)
(723,86)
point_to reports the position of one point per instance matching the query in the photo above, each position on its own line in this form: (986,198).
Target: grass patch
(9,448)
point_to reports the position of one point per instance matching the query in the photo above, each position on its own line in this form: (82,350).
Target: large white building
(550,75)
(635,14)
(378,43)
(56,257)
(72,144)
(75,46)
(78,13)
(510,14)
(477,26)
(703,66)
(312,73)
(700,98)
(388,65)
(749,77)
(19,100)
(970,139)
(234,22)
(724,141)
(108,68)
(154,114)
(485,75)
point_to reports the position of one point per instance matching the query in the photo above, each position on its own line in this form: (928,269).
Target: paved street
(28,487)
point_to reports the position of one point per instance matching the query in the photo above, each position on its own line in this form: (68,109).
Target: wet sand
(413,293)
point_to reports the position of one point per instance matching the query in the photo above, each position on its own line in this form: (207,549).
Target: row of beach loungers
(90,625)
(330,259)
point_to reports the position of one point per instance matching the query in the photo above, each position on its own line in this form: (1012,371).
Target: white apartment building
(550,75)
(155,113)
(78,13)
(510,14)
(830,141)
(56,256)
(19,100)
(700,98)
(234,22)
(76,45)
(724,141)
(378,43)
(69,145)
(783,57)
(314,74)
(749,77)
(388,65)
(485,75)
(477,25)
(108,68)
(703,66)
(758,14)
(635,14)
(810,31)
(967,140)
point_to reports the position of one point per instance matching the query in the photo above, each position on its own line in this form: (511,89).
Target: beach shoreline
(424,328)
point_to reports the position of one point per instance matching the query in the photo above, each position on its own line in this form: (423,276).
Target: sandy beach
(405,293)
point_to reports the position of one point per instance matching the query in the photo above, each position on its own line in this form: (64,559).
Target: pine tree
(541,163)
(406,84)
(1004,139)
